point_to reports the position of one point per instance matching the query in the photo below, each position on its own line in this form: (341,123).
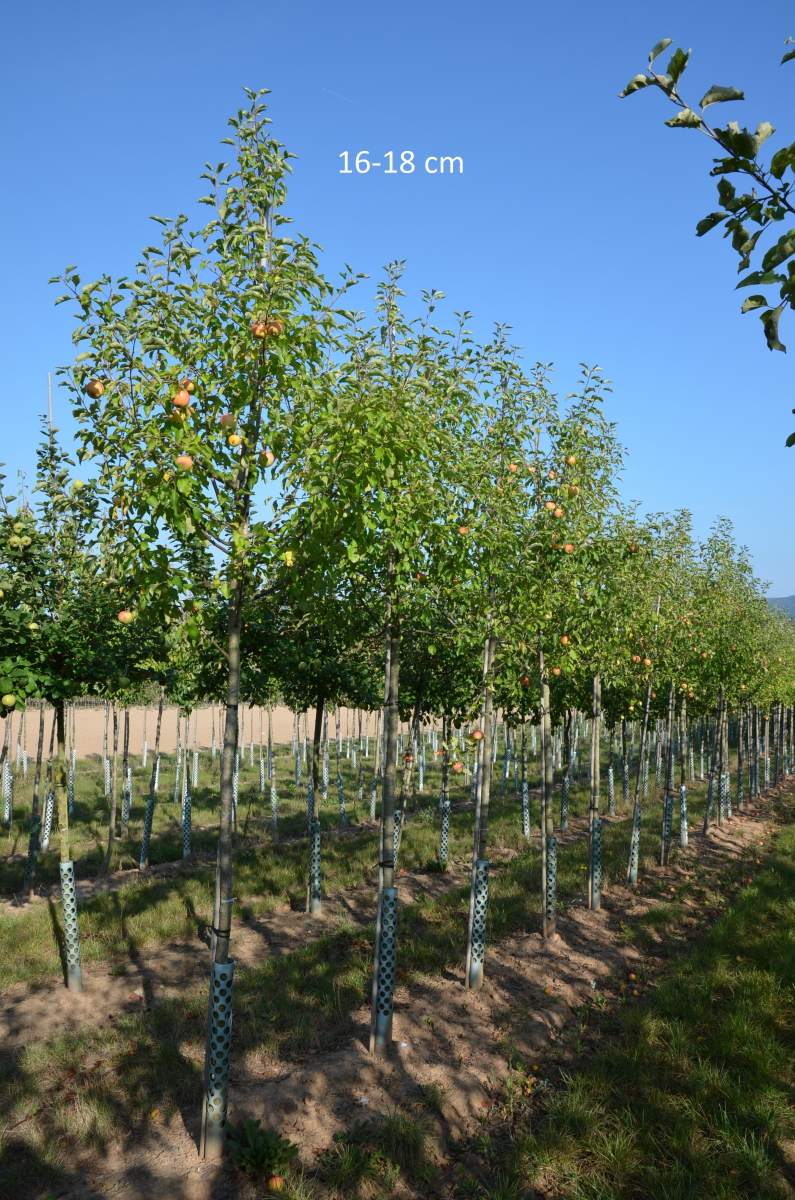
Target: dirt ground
(443,1034)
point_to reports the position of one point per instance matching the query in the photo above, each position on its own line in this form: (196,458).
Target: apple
(524,680)
(512,467)
(259,329)
(636,658)
(188,385)
(457,766)
(632,547)
(573,490)
(289,557)
(571,460)
(181,399)
(8,700)
(463,530)
(549,505)
(647,662)
(558,512)
(78,485)
(235,439)
(556,670)
(275,327)
(267,458)
(569,547)
(408,758)
(227,421)
(184,462)
(551,475)
(125,616)
(564,639)
(95,388)
(276,1183)
(476,735)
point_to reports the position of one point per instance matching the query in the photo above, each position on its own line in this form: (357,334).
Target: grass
(686,1095)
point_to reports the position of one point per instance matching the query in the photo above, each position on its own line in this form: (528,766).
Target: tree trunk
(478,898)
(594,820)
(548,843)
(29,885)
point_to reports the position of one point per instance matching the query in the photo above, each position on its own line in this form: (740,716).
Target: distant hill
(787,603)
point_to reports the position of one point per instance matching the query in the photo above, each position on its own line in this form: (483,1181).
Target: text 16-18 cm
(405,163)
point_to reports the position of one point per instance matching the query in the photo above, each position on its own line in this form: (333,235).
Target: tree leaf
(770,320)
(718,94)
(783,249)
(788,57)
(709,222)
(677,64)
(755,301)
(685,119)
(657,49)
(635,84)
(791,439)
(783,158)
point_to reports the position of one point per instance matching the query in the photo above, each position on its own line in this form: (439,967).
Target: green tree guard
(667,826)
(274,810)
(341,801)
(444,835)
(186,818)
(551,899)
(625,784)
(216,1075)
(315,897)
(479,899)
(385,967)
(126,801)
(310,803)
(71,930)
(565,789)
(8,792)
(70,790)
(398,831)
(611,792)
(373,794)
(596,863)
(49,809)
(525,809)
(634,848)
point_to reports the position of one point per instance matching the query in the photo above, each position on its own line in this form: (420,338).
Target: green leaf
(677,64)
(791,439)
(657,49)
(741,142)
(760,277)
(635,84)
(755,301)
(788,57)
(709,222)
(763,132)
(770,320)
(783,158)
(685,119)
(783,249)
(719,95)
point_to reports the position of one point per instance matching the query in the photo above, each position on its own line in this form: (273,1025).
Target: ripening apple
(556,670)
(227,420)
(181,399)
(551,475)
(647,662)
(457,766)
(571,460)
(78,485)
(276,1183)
(524,680)
(569,547)
(564,639)
(276,327)
(125,616)
(259,329)
(549,505)
(95,388)
(188,385)
(636,658)
(558,512)
(463,530)
(476,735)
(513,468)
(235,439)
(267,458)
(573,490)
(8,700)
(184,462)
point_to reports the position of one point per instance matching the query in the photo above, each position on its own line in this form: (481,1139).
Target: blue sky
(573,220)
